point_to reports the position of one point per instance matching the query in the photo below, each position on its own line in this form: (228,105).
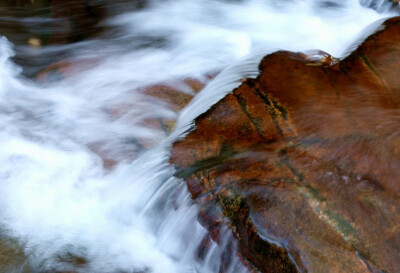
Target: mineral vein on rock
(308,155)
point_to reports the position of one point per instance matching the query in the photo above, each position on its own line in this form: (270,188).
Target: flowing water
(62,210)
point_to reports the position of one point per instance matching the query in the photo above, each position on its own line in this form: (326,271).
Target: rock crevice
(306,154)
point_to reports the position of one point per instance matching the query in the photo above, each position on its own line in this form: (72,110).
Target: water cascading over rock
(303,162)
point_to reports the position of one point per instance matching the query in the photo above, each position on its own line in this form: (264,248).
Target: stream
(63,208)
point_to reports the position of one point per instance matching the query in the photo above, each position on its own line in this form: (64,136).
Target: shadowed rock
(303,162)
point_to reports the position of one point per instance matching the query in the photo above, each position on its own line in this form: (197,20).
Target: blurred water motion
(84,138)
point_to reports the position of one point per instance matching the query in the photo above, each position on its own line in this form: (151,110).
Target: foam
(56,197)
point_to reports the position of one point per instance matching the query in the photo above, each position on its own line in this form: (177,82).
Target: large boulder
(302,163)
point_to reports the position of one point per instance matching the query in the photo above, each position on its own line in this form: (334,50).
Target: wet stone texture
(12,257)
(303,162)
(32,25)
(42,22)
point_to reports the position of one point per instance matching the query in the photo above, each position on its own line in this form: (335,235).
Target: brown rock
(75,20)
(303,162)
(12,256)
(72,20)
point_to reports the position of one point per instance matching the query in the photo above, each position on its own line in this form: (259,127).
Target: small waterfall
(61,206)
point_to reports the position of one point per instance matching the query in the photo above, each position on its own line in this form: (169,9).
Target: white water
(55,195)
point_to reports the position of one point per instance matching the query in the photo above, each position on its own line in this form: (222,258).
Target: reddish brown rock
(303,162)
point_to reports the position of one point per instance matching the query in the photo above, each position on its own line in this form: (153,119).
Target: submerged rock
(303,162)
(52,21)
(74,20)
(12,256)
(59,21)
(132,111)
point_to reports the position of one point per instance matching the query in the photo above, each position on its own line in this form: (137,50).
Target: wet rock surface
(12,257)
(57,21)
(33,26)
(303,162)
(50,21)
